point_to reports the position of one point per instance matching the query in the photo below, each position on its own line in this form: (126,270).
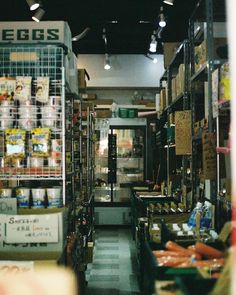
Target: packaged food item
(5,192)
(7,88)
(40,142)
(54,197)
(23,88)
(38,197)
(23,197)
(42,89)
(15,143)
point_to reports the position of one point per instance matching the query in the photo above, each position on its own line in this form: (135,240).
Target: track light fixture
(33,4)
(107,65)
(162,22)
(154,59)
(153,44)
(38,14)
(169,2)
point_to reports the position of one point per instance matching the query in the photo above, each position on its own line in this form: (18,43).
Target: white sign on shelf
(8,206)
(31,228)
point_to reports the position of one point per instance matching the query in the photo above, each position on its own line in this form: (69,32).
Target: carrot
(172,261)
(208,251)
(163,253)
(172,246)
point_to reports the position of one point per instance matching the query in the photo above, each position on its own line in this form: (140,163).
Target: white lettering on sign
(32,228)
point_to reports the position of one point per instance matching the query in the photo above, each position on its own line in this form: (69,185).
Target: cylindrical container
(23,196)
(52,162)
(38,197)
(6,123)
(5,192)
(36,162)
(54,101)
(27,123)
(54,197)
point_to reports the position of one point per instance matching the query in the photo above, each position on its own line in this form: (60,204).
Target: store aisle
(114,270)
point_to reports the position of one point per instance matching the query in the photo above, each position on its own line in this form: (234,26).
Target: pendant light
(33,4)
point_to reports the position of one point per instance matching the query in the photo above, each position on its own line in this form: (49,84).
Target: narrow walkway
(114,270)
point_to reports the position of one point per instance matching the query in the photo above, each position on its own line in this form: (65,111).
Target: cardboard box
(102,101)
(201,54)
(103,113)
(82,76)
(173,89)
(89,96)
(169,49)
(162,99)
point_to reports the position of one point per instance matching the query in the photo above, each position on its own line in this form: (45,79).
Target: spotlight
(162,22)
(107,65)
(154,60)
(169,2)
(33,4)
(38,14)
(153,44)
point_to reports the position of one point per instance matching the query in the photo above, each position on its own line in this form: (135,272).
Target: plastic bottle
(206,219)
(192,218)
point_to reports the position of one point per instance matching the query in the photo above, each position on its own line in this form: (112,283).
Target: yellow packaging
(224,82)
(40,142)
(15,143)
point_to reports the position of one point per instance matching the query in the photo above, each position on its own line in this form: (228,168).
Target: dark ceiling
(135,21)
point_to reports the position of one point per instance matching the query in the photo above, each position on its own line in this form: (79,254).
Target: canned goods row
(34,197)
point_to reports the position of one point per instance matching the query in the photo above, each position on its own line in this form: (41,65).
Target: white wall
(126,70)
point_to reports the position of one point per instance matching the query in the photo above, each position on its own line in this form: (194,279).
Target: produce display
(199,255)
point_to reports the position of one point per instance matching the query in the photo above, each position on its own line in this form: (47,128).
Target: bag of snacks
(15,143)
(40,142)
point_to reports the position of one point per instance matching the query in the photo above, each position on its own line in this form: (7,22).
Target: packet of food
(7,88)
(23,88)
(15,143)
(40,142)
(42,89)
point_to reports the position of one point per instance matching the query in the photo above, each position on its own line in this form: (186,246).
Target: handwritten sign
(32,228)
(15,267)
(8,206)
(209,155)
(183,133)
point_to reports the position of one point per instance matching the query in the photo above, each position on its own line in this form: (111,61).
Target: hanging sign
(209,155)
(215,93)
(33,32)
(31,228)
(183,133)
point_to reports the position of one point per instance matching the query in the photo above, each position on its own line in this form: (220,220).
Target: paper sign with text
(8,206)
(31,228)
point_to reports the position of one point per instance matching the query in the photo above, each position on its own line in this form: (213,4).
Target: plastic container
(206,219)
(192,218)
(123,113)
(132,113)
(38,197)
(23,197)
(54,197)
(5,192)
(36,162)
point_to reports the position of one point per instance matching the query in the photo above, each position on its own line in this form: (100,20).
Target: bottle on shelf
(192,218)
(206,220)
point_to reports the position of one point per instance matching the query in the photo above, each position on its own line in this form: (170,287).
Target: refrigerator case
(119,161)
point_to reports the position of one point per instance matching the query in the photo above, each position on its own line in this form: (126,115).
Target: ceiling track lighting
(169,2)
(154,59)
(81,35)
(33,4)
(38,14)
(107,64)
(153,44)
(162,22)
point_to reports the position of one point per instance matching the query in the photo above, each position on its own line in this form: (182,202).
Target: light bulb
(155,60)
(107,66)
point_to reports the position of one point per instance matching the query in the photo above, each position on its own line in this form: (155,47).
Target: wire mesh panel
(31,112)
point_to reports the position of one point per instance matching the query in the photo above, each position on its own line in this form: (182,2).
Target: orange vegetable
(172,246)
(208,251)
(163,253)
(172,261)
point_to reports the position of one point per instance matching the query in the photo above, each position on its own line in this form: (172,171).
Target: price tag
(31,228)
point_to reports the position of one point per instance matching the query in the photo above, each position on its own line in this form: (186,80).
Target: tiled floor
(114,270)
